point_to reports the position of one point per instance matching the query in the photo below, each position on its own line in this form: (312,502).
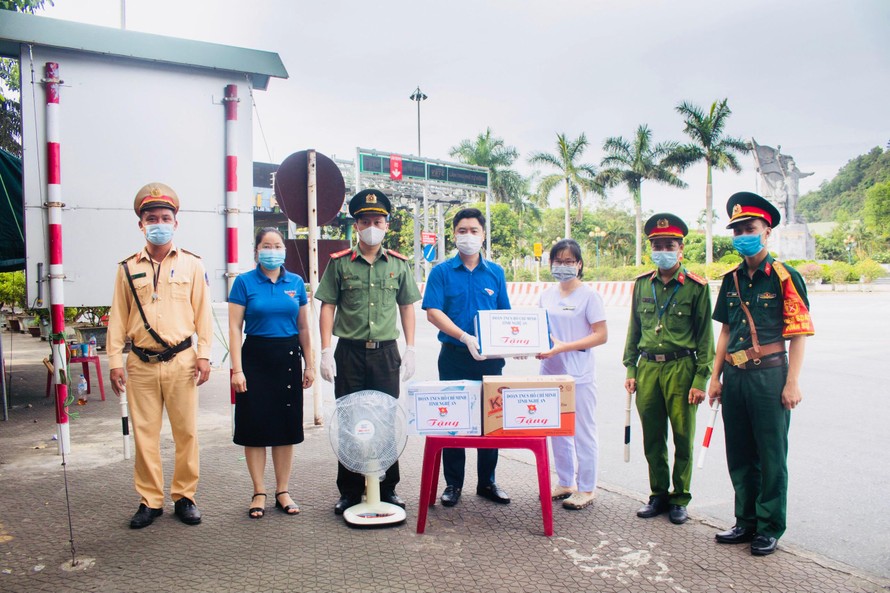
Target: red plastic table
(432,459)
(85,362)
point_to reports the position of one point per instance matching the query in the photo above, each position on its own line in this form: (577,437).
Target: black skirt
(270,412)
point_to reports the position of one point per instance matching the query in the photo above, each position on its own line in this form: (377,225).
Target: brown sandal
(256,512)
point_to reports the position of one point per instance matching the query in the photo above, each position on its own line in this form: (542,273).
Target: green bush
(840,272)
(882,257)
(868,270)
(730,259)
(811,271)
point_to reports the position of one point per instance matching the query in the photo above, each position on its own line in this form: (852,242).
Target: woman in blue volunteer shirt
(577,325)
(267,373)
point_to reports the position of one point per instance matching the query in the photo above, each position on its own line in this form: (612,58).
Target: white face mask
(372,235)
(468,244)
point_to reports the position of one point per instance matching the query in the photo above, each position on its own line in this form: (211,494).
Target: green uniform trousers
(756,429)
(662,396)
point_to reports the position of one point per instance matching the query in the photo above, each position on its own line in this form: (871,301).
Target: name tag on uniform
(568,308)
(732,294)
(648,300)
(139,275)
(765,296)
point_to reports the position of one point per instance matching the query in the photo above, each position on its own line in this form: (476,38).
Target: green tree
(845,193)
(711,146)
(578,178)
(491,152)
(877,209)
(633,162)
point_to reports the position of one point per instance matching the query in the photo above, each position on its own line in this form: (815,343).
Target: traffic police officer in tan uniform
(361,291)
(160,301)
(762,303)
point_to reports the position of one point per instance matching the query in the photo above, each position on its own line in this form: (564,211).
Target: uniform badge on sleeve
(488,291)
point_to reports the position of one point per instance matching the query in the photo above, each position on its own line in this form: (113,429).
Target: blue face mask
(665,260)
(747,245)
(159,234)
(563,273)
(271,259)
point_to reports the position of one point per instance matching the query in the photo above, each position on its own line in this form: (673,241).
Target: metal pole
(312,193)
(230,102)
(418,255)
(488,220)
(440,229)
(56,269)
(418,125)
(426,221)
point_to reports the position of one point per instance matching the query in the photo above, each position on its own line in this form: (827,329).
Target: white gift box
(503,333)
(444,408)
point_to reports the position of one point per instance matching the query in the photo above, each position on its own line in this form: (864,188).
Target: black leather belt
(767,362)
(666,357)
(152,356)
(366,344)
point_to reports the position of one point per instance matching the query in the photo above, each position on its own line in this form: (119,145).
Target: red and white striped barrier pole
(231,104)
(707,441)
(56,271)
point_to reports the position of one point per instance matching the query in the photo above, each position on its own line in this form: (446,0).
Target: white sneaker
(561,492)
(578,500)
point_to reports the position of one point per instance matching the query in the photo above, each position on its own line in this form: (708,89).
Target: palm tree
(578,178)
(711,146)
(492,153)
(632,163)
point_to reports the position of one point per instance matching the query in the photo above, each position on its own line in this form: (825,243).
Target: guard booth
(132,108)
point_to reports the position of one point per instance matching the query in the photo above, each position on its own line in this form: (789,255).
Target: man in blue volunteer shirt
(455,291)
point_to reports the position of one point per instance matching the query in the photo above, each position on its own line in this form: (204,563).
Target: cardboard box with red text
(444,408)
(528,406)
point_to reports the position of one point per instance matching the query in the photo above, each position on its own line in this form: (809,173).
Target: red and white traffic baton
(125,424)
(707,441)
(630,397)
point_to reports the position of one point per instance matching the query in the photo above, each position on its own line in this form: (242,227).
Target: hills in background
(844,195)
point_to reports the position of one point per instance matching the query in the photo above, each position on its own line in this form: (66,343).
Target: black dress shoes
(344,503)
(763,545)
(678,514)
(393,498)
(656,506)
(144,517)
(187,512)
(493,493)
(736,535)
(450,496)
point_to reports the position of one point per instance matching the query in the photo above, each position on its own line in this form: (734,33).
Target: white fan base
(373,514)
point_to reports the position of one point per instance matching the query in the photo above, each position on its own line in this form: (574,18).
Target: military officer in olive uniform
(160,300)
(762,304)
(668,355)
(361,291)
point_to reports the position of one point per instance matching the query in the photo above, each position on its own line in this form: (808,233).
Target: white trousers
(576,457)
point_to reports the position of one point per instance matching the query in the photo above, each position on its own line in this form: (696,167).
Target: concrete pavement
(475,546)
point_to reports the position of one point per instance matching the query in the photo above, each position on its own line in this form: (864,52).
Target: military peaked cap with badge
(155,195)
(746,205)
(665,225)
(369,201)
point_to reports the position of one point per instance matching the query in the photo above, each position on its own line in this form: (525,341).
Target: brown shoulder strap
(754,341)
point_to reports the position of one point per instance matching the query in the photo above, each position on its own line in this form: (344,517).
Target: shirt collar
(144,253)
(457,262)
(679,276)
(765,266)
(356,253)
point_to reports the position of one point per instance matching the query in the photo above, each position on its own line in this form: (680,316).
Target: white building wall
(125,123)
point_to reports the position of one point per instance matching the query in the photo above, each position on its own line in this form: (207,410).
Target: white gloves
(472,345)
(328,369)
(408,363)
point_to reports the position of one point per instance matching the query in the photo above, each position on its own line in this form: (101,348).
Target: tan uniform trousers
(151,387)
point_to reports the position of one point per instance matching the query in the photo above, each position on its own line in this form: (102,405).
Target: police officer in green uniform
(762,304)
(668,355)
(361,291)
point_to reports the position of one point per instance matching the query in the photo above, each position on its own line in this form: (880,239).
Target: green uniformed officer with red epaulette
(668,355)
(762,304)
(362,291)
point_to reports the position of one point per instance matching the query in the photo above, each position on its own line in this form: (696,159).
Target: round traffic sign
(292,191)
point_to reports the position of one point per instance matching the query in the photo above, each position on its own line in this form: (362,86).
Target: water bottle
(81,391)
(92,350)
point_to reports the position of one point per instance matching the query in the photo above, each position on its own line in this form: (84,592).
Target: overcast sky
(809,75)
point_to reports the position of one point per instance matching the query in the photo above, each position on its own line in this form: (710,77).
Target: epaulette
(126,259)
(696,278)
(781,271)
(730,270)
(644,274)
(190,253)
(340,254)
(396,254)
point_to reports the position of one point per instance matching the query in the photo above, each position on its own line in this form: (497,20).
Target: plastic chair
(432,459)
(85,365)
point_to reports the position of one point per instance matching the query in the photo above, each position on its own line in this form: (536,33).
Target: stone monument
(781,185)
